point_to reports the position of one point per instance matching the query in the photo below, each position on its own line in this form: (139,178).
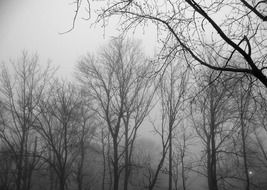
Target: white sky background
(34,25)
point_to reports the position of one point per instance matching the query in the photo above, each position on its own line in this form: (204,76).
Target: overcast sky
(34,25)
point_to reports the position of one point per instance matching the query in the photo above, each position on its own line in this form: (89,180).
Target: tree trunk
(109,164)
(212,160)
(104,160)
(62,183)
(80,174)
(209,171)
(170,157)
(126,161)
(244,144)
(115,165)
(182,162)
(155,177)
(20,162)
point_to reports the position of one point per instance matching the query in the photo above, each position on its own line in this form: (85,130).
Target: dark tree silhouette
(223,28)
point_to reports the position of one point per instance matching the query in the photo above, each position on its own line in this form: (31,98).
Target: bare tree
(103,136)
(213,118)
(149,157)
(243,101)
(137,105)
(6,174)
(86,131)
(21,92)
(248,146)
(182,161)
(173,85)
(118,82)
(171,89)
(57,126)
(260,131)
(153,170)
(107,159)
(223,28)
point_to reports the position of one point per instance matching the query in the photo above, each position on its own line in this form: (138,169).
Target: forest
(193,116)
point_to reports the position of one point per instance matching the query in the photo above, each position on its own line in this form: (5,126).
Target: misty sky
(34,25)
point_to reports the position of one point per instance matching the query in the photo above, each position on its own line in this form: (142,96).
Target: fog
(112,95)
(36,26)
